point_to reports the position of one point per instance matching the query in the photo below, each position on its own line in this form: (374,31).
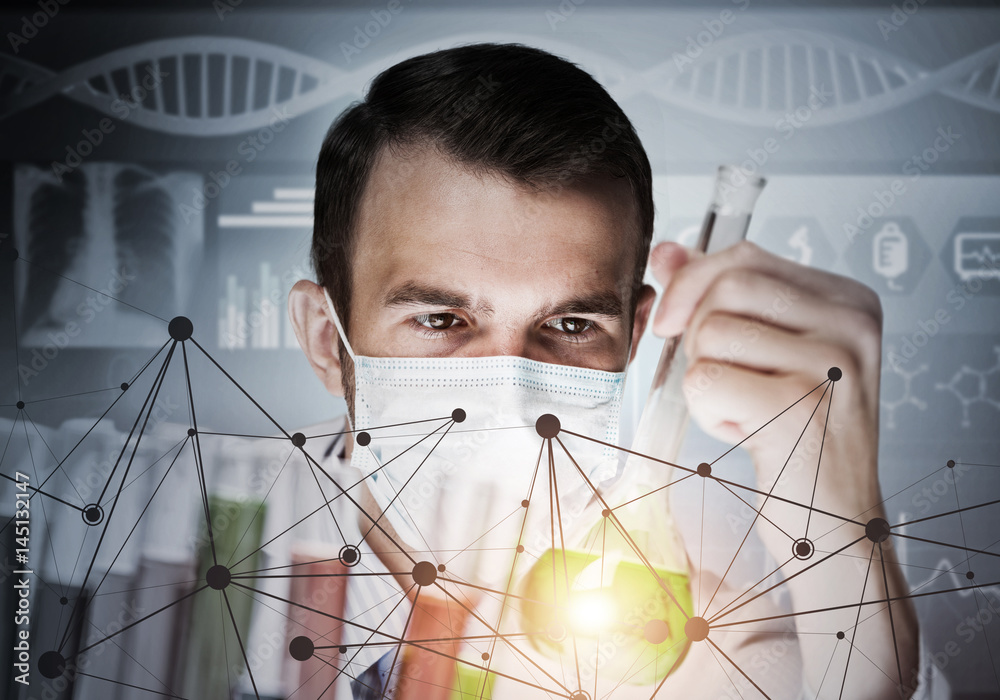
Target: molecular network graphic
(560,586)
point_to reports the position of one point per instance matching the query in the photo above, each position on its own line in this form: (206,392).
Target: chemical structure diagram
(906,397)
(980,384)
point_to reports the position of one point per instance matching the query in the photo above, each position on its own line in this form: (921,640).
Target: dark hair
(495,108)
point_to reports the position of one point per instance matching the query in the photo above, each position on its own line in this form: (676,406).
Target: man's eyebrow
(603,303)
(410,293)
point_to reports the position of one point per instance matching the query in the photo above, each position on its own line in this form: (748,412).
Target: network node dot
(301,648)
(556,632)
(605,513)
(218,577)
(547,426)
(442,568)
(10,254)
(696,629)
(298,439)
(363,438)
(180,328)
(951,464)
(192,432)
(458,415)
(342,649)
(834,374)
(877,530)
(349,555)
(520,548)
(51,664)
(64,601)
(840,635)
(705,469)
(656,631)
(803,549)
(524,503)
(579,695)
(486,656)
(424,573)
(970,575)
(124,386)
(20,405)
(93,514)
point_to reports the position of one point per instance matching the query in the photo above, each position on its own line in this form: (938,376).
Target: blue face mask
(454,448)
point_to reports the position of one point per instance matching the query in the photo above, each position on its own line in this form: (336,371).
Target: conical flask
(617,603)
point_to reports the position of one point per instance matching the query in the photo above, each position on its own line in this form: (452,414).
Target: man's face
(453,264)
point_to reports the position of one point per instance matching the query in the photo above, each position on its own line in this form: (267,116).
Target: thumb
(667,258)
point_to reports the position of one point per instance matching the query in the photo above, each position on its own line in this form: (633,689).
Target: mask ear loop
(347,344)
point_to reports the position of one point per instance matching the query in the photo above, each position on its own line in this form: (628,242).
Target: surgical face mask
(451,452)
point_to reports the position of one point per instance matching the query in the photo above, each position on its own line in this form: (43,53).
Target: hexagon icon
(972,254)
(797,238)
(890,257)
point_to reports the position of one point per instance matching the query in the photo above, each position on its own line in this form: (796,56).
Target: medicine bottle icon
(891,254)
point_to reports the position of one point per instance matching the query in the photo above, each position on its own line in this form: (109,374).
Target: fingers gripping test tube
(665,416)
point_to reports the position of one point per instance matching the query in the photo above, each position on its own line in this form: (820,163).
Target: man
(493,200)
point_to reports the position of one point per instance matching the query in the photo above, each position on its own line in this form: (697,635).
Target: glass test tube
(665,416)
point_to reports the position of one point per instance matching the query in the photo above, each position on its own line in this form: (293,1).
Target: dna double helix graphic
(209,85)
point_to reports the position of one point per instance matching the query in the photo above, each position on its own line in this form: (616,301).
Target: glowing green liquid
(629,629)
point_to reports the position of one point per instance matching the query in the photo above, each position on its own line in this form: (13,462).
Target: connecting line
(129,685)
(53,454)
(941,515)
(69,396)
(770,492)
(819,457)
(766,577)
(513,567)
(322,494)
(141,619)
(892,623)
(742,672)
(946,544)
(137,521)
(892,599)
(621,529)
(89,430)
(650,493)
(721,481)
(406,626)
(825,381)
(512,646)
(562,541)
(199,461)
(371,634)
(155,391)
(847,664)
(720,615)
(52,272)
(257,512)
(42,493)
(408,480)
(239,640)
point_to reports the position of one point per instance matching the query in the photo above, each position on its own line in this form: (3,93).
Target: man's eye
(437,322)
(571,326)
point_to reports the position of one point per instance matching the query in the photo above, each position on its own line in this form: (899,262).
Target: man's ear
(647,295)
(316,333)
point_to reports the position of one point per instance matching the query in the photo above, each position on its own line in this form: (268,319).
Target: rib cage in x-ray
(105,249)
(144,240)
(56,237)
